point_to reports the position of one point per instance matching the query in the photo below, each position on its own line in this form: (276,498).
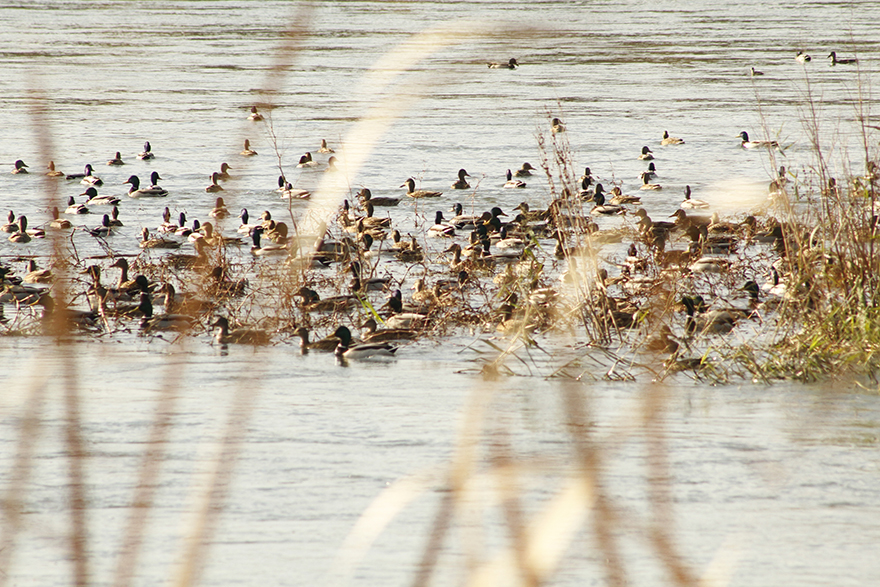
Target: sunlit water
(778,483)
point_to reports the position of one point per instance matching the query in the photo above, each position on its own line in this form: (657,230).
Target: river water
(767,485)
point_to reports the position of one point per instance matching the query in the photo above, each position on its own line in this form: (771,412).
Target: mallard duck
(513,183)
(57,222)
(324,148)
(601,208)
(90,178)
(441,228)
(215,186)
(239,335)
(462,221)
(103,229)
(710,265)
(412,192)
(278,234)
(216,239)
(287,191)
(117,160)
(835,60)
(37,275)
(663,342)
(367,196)
(747,144)
(136,191)
(668,140)
(150,323)
(650,172)
(52,171)
(156,242)
(753,72)
(556,126)
(312,302)
(267,250)
(219,211)
(647,154)
(327,344)
(646,183)
(684,220)
(692,204)
(365,282)
(87,172)
(306,161)
(802,57)
(74,208)
(346,350)
(712,322)
(224,172)
(254,115)
(147,153)
(94,199)
(247,151)
(11,225)
(511,64)
(618,198)
(461,183)
(21,235)
(372,333)
(20,167)
(525,170)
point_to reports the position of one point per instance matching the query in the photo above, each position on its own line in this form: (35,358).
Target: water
(780,482)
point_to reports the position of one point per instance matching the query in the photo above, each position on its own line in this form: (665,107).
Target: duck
(712,322)
(71,176)
(156,242)
(691,203)
(441,228)
(136,191)
(224,171)
(647,154)
(327,344)
(52,171)
(367,196)
(255,115)
(215,186)
(513,183)
(253,336)
(324,148)
(511,64)
(646,183)
(20,236)
(147,153)
(684,220)
(126,285)
(103,229)
(650,172)
(802,57)
(247,151)
(288,192)
(117,160)
(20,167)
(505,241)
(664,342)
(557,126)
(462,221)
(245,228)
(835,60)
(525,171)
(219,211)
(601,208)
(618,198)
(306,161)
(278,234)
(710,265)
(74,208)
(267,250)
(362,282)
(11,225)
(312,302)
(412,192)
(461,183)
(668,140)
(37,275)
(367,350)
(150,323)
(371,333)
(57,222)
(89,178)
(753,72)
(747,144)
(95,200)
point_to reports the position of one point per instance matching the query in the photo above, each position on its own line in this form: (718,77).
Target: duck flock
(576,255)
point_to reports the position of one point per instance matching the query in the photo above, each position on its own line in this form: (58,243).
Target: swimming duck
(650,172)
(324,148)
(556,126)
(58,223)
(74,208)
(513,183)
(525,170)
(618,198)
(267,250)
(306,161)
(95,200)
(372,333)
(802,57)
(239,335)
(747,144)
(668,140)
(102,230)
(247,151)
(20,167)
(713,322)
(117,160)
(506,241)
(288,192)
(88,171)
(753,72)
(646,183)
(511,64)
(150,323)
(647,154)
(21,235)
(216,239)
(367,196)
(327,344)
(224,171)
(364,282)
(37,275)
(136,191)
(601,208)
(346,350)
(331,165)
(663,342)
(255,116)
(156,242)
(690,203)
(89,178)
(245,228)
(841,61)
(52,171)
(312,302)
(461,183)
(441,228)
(11,225)
(412,192)
(684,220)
(370,221)
(215,186)
(219,211)
(462,221)
(147,153)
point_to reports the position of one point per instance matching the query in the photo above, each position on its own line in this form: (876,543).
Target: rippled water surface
(769,486)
